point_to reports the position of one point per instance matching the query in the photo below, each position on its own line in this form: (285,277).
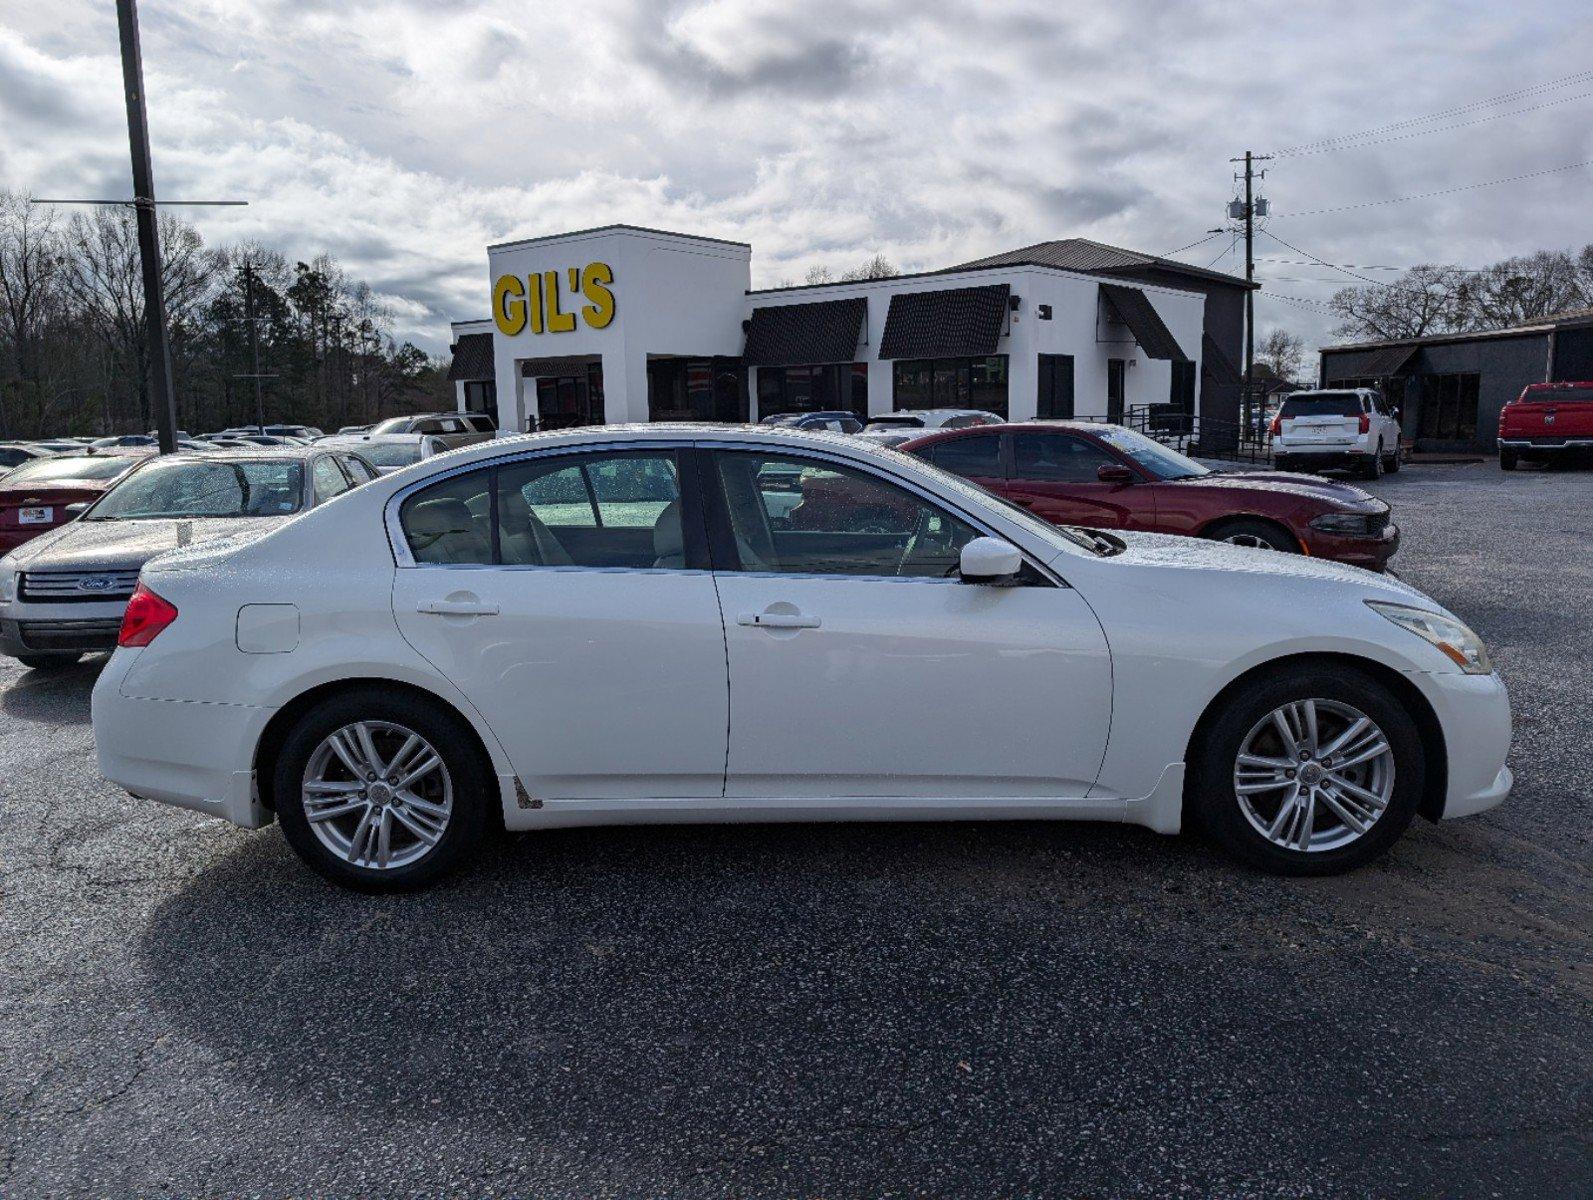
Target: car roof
(348,441)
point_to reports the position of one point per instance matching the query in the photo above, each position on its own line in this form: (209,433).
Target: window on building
(952,383)
(696,389)
(572,400)
(481,397)
(829,387)
(1181,392)
(1447,408)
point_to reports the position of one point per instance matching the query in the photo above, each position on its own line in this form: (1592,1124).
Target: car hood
(111,545)
(1169,552)
(1340,495)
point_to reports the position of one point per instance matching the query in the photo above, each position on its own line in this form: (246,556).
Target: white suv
(1336,427)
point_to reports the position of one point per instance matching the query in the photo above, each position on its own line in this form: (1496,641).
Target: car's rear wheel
(1507,460)
(381,792)
(1372,468)
(1391,461)
(1259,535)
(1312,771)
(48,662)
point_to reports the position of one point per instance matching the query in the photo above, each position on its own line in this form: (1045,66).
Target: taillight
(146,616)
(1277,425)
(1366,423)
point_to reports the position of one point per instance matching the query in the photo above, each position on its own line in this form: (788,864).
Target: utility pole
(1249,216)
(162,397)
(254,344)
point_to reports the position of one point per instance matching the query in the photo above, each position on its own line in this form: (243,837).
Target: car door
(861,665)
(1055,476)
(582,622)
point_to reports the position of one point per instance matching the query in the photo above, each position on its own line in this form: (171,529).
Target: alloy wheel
(1314,775)
(1254,541)
(377,795)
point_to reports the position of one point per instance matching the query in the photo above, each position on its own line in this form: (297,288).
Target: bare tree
(1426,299)
(818,274)
(878,267)
(30,260)
(1284,352)
(1520,290)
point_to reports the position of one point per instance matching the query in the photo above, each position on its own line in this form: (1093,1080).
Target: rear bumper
(1545,444)
(205,751)
(1318,459)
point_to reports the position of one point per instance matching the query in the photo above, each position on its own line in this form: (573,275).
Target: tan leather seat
(442,530)
(524,539)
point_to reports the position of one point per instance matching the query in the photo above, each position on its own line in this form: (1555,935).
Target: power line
(1519,94)
(1213,233)
(1224,254)
(1470,187)
(1321,262)
(1359,141)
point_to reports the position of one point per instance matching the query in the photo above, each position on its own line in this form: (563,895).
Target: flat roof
(1571,319)
(621,228)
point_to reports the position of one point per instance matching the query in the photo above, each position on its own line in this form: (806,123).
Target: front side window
(1056,458)
(793,515)
(189,488)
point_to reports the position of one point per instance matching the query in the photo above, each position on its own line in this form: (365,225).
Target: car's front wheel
(1311,771)
(1258,535)
(381,792)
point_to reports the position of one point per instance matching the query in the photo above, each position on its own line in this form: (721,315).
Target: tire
(1281,462)
(1261,535)
(1391,463)
(1215,806)
(461,785)
(48,662)
(1373,467)
(1507,460)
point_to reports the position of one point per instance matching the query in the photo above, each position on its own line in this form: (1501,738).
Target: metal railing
(1231,441)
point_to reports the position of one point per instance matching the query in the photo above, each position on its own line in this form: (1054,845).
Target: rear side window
(450,521)
(968,456)
(1326,404)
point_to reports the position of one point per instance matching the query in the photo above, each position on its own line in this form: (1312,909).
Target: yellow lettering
(508,304)
(599,311)
(558,322)
(536,302)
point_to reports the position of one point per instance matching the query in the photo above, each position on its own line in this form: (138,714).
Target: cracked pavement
(964,1010)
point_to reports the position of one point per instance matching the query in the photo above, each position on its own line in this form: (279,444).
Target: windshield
(896,423)
(1558,395)
(392,425)
(1161,461)
(264,488)
(70,470)
(389,454)
(1328,404)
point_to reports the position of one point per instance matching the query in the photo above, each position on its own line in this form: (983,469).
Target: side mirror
(1115,473)
(990,560)
(77,509)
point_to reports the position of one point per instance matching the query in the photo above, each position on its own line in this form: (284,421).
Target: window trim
(694,534)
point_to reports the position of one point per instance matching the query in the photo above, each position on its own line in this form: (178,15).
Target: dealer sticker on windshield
(35,516)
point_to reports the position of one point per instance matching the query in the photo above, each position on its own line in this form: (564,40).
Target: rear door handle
(779,620)
(457,608)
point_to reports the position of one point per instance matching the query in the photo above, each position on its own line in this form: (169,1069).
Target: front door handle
(779,620)
(457,608)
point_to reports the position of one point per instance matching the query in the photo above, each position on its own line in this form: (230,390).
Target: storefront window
(482,398)
(696,389)
(567,401)
(952,383)
(830,387)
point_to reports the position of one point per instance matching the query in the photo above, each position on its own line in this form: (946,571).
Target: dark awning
(951,323)
(1217,364)
(1133,308)
(570,364)
(1388,361)
(472,359)
(791,335)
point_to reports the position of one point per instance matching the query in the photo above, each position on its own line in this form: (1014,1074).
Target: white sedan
(624,625)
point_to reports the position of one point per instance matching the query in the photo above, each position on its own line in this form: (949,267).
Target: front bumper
(28,627)
(205,751)
(1372,553)
(1474,712)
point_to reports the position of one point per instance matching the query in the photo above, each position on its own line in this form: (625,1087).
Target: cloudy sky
(405,135)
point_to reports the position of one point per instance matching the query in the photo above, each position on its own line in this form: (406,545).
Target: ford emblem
(96,583)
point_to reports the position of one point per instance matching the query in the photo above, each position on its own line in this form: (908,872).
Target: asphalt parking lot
(960,1010)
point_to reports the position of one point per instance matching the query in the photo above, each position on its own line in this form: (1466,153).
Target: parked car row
(551,630)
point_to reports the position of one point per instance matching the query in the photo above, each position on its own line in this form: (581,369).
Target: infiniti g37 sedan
(643,624)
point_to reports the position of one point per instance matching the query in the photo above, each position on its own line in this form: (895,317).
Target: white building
(628,324)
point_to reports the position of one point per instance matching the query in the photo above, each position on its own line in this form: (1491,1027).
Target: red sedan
(35,497)
(1108,477)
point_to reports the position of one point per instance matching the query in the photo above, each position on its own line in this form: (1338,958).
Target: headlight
(1459,644)
(1353,524)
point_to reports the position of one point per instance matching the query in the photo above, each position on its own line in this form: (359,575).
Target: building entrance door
(1116,377)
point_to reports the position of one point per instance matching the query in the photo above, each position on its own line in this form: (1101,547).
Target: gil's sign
(535,302)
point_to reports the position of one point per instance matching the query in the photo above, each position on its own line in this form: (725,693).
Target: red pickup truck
(1545,421)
